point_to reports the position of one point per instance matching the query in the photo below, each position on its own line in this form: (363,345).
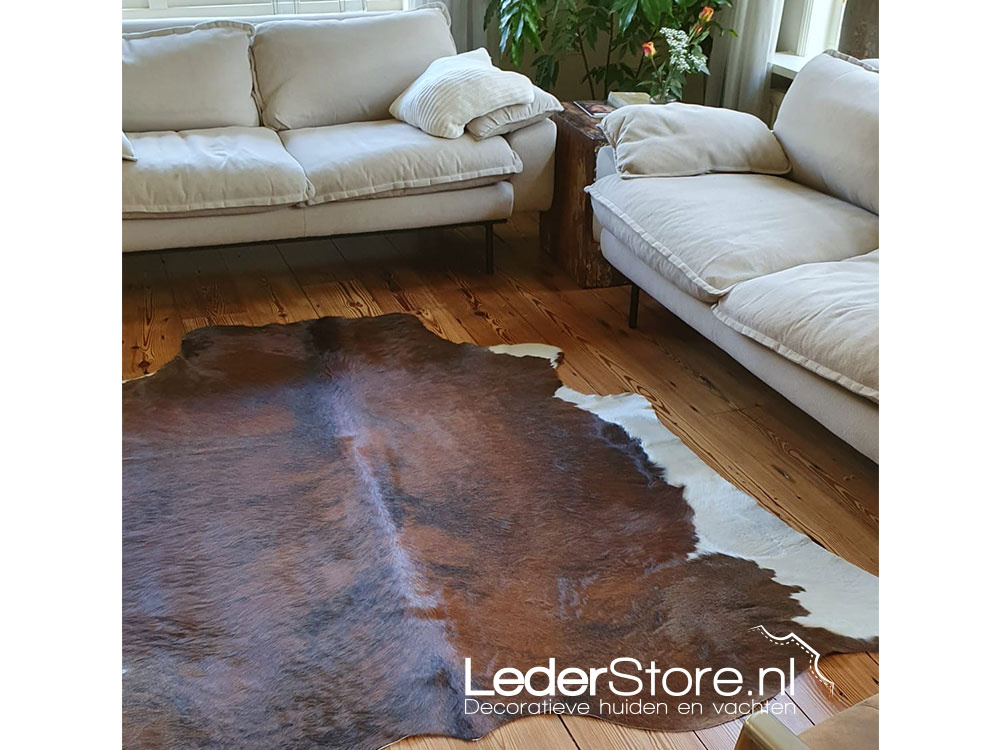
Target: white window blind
(231,8)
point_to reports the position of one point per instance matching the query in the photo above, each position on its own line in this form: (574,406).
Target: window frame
(806,29)
(153,9)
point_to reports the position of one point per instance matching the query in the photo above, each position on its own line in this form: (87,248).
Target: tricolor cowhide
(323,520)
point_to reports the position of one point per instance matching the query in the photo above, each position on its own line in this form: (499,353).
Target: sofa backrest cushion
(828,126)
(188,77)
(313,73)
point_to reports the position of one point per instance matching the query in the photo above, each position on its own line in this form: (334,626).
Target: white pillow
(188,77)
(128,153)
(457,89)
(517,116)
(681,140)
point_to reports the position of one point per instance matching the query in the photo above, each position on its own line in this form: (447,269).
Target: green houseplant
(607,35)
(682,56)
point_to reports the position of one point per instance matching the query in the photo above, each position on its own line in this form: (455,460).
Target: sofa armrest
(605,162)
(605,166)
(761,731)
(536,147)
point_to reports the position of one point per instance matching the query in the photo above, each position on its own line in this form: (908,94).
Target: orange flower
(706,14)
(648,49)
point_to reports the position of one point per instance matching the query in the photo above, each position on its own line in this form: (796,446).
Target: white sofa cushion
(219,169)
(681,140)
(188,77)
(823,316)
(127,151)
(708,233)
(508,119)
(312,73)
(828,125)
(387,157)
(455,90)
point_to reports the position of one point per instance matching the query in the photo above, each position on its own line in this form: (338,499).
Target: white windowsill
(786,64)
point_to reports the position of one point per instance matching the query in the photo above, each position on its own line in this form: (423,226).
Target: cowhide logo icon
(812,654)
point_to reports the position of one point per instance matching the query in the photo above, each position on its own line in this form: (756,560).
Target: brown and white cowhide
(323,520)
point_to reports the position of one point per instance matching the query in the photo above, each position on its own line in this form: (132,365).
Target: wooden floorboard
(151,326)
(743,429)
(595,734)
(535,732)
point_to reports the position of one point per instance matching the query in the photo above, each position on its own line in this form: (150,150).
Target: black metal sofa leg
(489,248)
(633,307)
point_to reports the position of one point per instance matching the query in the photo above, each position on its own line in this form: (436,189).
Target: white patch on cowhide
(839,596)
(552,353)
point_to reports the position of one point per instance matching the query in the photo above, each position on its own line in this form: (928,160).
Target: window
(807,28)
(223,8)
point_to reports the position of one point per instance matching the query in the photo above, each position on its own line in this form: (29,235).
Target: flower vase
(662,97)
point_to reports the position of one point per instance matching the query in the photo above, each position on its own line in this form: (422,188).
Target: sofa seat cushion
(387,157)
(707,233)
(219,169)
(823,316)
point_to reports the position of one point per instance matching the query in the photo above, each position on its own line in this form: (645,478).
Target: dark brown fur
(321,520)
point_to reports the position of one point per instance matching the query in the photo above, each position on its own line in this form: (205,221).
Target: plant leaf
(651,10)
(626,13)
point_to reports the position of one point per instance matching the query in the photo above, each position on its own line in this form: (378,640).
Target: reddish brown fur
(321,520)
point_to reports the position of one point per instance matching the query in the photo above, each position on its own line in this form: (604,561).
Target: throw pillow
(681,140)
(516,116)
(457,89)
(128,153)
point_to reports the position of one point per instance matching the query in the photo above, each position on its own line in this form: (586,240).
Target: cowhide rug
(323,520)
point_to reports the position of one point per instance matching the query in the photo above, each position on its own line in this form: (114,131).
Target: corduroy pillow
(455,90)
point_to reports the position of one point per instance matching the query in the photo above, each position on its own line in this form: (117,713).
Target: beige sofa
(780,271)
(277,127)
(853,729)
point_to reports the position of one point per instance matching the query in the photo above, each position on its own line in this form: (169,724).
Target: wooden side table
(566,229)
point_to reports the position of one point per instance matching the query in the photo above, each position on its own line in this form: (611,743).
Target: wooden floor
(742,428)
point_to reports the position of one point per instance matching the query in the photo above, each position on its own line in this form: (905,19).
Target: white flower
(683,58)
